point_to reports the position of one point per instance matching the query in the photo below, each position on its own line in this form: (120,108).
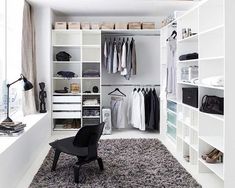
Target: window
(11,14)
(2,59)
(14,34)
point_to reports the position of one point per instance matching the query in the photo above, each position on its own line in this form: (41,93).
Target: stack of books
(11,129)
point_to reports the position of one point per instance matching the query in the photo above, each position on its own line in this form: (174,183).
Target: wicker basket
(85,25)
(120,25)
(107,26)
(95,26)
(148,25)
(134,25)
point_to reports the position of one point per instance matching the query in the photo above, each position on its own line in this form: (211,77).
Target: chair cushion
(66,145)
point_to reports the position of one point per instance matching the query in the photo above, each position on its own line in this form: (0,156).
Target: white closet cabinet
(85,48)
(198,133)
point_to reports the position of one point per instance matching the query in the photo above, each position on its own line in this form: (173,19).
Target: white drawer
(67,99)
(65,107)
(66,115)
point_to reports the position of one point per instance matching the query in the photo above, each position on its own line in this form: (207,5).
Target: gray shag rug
(127,162)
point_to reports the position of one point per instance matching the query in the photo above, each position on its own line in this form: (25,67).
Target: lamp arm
(8,85)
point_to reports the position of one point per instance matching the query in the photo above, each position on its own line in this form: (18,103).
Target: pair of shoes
(214,156)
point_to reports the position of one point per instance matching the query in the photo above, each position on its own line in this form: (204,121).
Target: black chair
(84,145)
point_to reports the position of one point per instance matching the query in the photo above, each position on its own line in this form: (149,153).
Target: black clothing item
(152,110)
(188,56)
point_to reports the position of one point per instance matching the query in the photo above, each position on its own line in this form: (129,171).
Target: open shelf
(193,38)
(216,168)
(214,141)
(67,62)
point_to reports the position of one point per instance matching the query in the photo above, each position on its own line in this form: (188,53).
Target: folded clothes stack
(91,73)
(89,112)
(188,56)
(217,81)
(11,129)
(91,102)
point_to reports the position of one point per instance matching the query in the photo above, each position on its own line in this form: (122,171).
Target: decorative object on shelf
(63,56)
(95,89)
(187,32)
(120,25)
(27,86)
(60,25)
(134,25)
(214,156)
(74,25)
(188,56)
(190,96)
(42,96)
(91,112)
(66,74)
(85,25)
(87,92)
(189,73)
(212,105)
(148,25)
(74,88)
(65,90)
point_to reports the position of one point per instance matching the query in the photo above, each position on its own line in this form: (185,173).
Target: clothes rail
(129,35)
(136,85)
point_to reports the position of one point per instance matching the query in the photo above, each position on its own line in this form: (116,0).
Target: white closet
(192,132)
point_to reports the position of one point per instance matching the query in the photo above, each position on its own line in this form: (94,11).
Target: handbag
(212,105)
(63,56)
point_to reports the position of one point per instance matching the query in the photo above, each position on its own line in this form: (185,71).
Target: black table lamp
(27,86)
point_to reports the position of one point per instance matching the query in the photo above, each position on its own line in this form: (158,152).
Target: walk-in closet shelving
(197,132)
(84,46)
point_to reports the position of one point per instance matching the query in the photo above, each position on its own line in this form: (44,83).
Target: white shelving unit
(198,133)
(85,48)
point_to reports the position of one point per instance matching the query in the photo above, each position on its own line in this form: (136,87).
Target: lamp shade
(27,84)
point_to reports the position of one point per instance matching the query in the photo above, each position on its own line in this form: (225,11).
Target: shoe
(209,154)
(215,158)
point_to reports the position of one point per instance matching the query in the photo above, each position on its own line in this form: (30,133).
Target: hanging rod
(136,85)
(130,35)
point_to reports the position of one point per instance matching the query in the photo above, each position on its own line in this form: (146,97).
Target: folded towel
(217,81)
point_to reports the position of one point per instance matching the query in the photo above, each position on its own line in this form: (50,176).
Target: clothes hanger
(173,34)
(117,89)
(138,90)
(134,89)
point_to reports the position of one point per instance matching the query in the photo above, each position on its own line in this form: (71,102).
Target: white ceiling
(115,7)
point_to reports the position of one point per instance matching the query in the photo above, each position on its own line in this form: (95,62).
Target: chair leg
(76,173)
(100,162)
(56,157)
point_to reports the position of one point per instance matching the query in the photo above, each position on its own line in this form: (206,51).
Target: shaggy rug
(127,162)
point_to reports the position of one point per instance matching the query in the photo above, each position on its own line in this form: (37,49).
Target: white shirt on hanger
(136,112)
(142,111)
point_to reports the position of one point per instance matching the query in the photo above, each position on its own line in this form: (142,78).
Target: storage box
(190,96)
(134,25)
(74,25)
(95,26)
(120,25)
(60,25)
(107,26)
(85,25)
(148,25)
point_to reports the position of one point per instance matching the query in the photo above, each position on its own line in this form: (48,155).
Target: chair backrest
(88,135)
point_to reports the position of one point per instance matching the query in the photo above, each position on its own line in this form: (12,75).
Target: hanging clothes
(136,110)
(171,66)
(110,57)
(118,114)
(142,112)
(115,58)
(133,57)
(119,52)
(124,58)
(105,54)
